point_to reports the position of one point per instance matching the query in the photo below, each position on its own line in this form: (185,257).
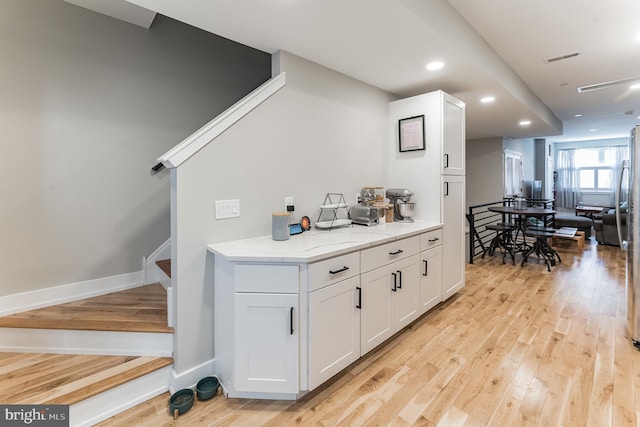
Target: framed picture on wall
(411,133)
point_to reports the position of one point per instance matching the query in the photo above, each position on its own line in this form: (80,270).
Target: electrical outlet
(288,201)
(227,208)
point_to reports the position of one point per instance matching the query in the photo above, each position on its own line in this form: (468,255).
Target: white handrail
(207,133)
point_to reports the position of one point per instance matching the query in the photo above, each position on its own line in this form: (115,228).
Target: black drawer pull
(399,277)
(291,320)
(345,268)
(395,282)
(359,289)
(426,267)
(446,160)
(435,239)
(399,251)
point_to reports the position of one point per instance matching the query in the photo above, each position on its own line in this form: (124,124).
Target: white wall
(87,103)
(323,132)
(418,171)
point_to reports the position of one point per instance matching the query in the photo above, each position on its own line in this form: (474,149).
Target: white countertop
(315,245)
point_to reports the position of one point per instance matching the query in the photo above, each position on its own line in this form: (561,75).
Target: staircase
(100,355)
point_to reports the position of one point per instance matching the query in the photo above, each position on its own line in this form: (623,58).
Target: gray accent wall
(485,167)
(485,170)
(87,104)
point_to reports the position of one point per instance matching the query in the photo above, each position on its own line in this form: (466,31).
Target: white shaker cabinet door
(406,299)
(266,340)
(376,315)
(334,329)
(453,136)
(430,278)
(453,218)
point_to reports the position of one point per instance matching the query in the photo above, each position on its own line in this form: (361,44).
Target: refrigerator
(631,242)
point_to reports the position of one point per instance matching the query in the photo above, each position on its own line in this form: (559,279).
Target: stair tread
(142,309)
(165,266)
(39,378)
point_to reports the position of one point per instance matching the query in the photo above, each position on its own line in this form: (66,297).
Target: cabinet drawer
(272,278)
(430,239)
(389,252)
(333,270)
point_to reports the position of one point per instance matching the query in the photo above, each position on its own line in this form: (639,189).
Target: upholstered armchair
(607,230)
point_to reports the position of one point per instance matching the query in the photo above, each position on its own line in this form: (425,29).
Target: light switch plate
(227,208)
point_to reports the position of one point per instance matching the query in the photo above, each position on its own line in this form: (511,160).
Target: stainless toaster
(364,214)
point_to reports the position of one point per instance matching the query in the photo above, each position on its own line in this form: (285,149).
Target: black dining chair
(503,241)
(541,246)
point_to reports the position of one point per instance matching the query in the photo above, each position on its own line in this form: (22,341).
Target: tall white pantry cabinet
(435,175)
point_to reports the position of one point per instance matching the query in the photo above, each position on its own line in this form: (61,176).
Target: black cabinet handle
(399,279)
(446,160)
(291,320)
(435,239)
(359,305)
(345,268)
(395,282)
(426,267)
(446,188)
(399,251)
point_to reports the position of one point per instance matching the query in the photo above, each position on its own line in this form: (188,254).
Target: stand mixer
(403,209)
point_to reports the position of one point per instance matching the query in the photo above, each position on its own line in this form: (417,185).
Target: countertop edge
(223,248)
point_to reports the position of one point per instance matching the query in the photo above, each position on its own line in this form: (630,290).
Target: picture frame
(411,134)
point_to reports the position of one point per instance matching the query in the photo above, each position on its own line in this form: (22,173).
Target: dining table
(540,233)
(523,213)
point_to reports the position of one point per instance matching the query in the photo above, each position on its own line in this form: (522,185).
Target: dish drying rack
(333,203)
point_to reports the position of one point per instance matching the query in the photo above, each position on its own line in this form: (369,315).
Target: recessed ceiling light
(488,99)
(436,65)
(525,122)
(578,115)
(635,86)
(592,130)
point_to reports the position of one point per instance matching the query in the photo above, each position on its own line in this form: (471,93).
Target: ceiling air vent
(560,58)
(605,85)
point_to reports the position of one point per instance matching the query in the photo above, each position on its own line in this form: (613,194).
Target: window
(595,168)
(588,170)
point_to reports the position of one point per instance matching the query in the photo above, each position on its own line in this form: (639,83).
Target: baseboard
(98,408)
(190,378)
(31,300)
(104,343)
(151,272)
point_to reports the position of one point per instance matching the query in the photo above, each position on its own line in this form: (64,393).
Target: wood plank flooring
(34,378)
(142,309)
(518,346)
(165,266)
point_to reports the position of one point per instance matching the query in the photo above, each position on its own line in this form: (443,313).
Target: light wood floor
(142,309)
(518,346)
(34,378)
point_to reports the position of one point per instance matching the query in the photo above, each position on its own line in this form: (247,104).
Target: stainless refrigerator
(631,242)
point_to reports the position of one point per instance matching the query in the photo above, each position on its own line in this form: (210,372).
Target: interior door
(513,174)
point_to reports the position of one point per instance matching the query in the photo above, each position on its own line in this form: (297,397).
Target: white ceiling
(496,47)
(119,9)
